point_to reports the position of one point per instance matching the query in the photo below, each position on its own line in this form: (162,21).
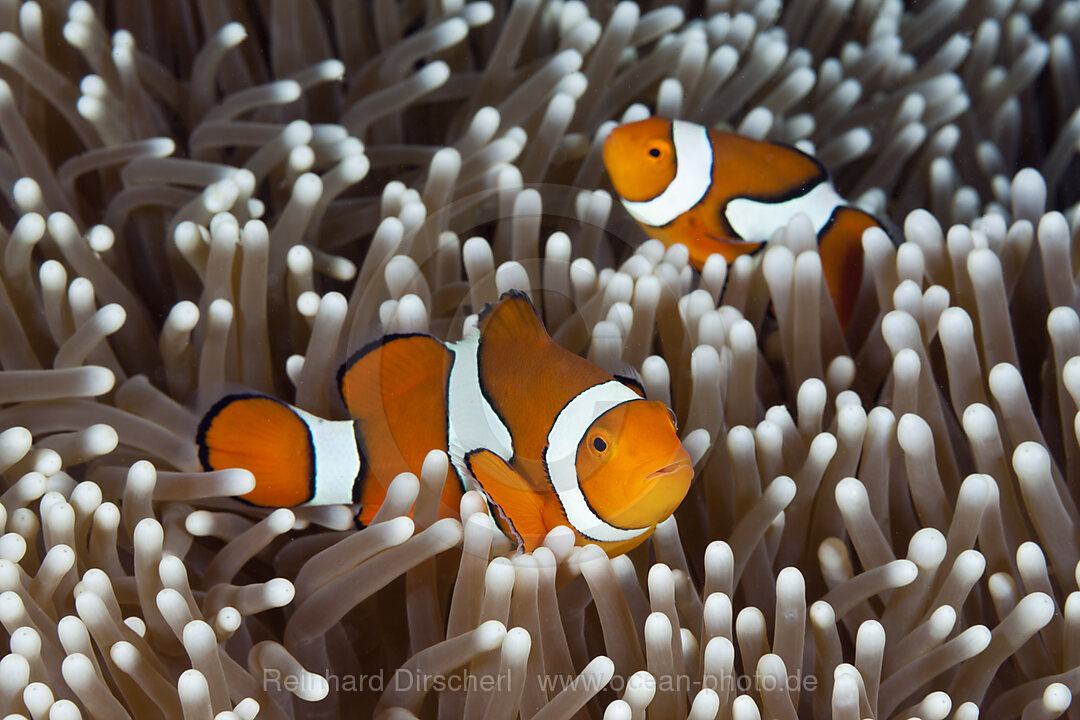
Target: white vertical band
(337,459)
(757,220)
(560,456)
(693,177)
(472,422)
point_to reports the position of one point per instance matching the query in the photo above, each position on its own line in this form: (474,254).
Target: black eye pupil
(655,152)
(599,444)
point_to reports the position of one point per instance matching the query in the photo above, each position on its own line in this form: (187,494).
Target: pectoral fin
(519,505)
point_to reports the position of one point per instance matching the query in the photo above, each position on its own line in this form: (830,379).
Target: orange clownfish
(718,192)
(546,436)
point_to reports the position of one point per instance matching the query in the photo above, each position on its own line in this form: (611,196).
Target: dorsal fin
(408,364)
(512,318)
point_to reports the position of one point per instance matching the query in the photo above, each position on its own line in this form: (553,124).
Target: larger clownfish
(718,192)
(546,436)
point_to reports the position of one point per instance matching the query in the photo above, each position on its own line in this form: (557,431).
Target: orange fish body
(718,192)
(547,437)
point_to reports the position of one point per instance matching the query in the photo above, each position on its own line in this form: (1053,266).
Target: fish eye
(657,148)
(674,420)
(599,444)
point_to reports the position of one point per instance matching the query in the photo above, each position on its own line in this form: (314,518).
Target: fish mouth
(670,469)
(648,498)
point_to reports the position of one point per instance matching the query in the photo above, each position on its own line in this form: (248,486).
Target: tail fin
(265,436)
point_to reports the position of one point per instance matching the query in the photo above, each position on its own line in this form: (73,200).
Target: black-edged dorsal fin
(413,366)
(512,318)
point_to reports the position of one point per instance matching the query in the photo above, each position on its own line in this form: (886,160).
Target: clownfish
(546,436)
(718,192)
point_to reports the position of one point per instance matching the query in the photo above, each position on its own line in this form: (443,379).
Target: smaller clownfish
(718,192)
(546,436)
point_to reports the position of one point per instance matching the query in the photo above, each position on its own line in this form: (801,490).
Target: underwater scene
(539,359)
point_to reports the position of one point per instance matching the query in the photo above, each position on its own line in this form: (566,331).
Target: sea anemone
(200,196)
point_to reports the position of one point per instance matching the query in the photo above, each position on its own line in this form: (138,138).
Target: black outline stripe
(833,219)
(828,224)
(363,474)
